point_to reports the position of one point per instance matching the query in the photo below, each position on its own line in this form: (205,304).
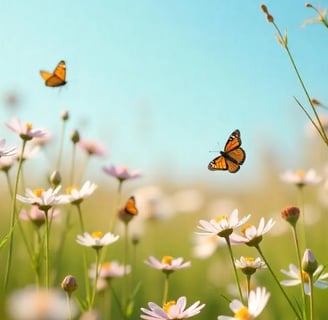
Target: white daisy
(97,239)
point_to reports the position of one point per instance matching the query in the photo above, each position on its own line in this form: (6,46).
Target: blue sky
(162,83)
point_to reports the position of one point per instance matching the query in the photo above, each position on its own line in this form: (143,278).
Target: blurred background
(161,85)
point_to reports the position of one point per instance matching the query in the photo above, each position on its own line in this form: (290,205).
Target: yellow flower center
(106,265)
(29,126)
(220,218)
(168,305)
(243,314)
(305,276)
(38,192)
(167,260)
(249,260)
(71,188)
(245,227)
(97,234)
(300,174)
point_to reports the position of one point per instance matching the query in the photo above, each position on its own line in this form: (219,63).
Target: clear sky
(162,83)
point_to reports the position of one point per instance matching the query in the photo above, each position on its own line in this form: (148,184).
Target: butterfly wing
(57,78)
(130,206)
(232,157)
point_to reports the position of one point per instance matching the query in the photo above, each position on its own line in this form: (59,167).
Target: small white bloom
(42,198)
(294,273)
(204,247)
(76,195)
(168,263)
(171,310)
(301,178)
(250,263)
(6,151)
(97,239)
(25,130)
(252,235)
(221,226)
(256,303)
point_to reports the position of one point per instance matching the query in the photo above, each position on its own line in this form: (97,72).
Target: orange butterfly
(130,207)
(232,157)
(57,77)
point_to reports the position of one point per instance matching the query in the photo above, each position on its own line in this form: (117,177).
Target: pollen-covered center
(243,314)
(168,305)
(167,260)
(220,218)
(97,234)
(245,227)
(70,189)
(38,192)
(300,174)
(29,127)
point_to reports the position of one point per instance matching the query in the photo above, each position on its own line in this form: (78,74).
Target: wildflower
(75,137)
(320,18)
(295,274)
(301,178)
(171,310)
(252,236)
(25,130)
(37,303)
(76,195)
(36,216)
(6,151)
(221,226)
(30,152)
(256,303)
(291,214)
(168,264)
(97,239)
(121,173)
(309,262)
(6,163)
(249,265)
(91,147)
(55,178)
(44,199)
(69,284)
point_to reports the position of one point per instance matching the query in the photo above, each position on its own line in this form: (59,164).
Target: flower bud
(75,137)
(55,178)
(69,284)
(291,214)
(64,115)
(309,262)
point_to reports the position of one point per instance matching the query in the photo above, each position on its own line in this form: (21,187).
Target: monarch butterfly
(57,77)
(232,157)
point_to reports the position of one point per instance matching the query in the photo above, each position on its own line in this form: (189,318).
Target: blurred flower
(25,130)
(97,239)
(249,265)
(39,304)
(256,303)
(122,173)
(76,195)
(291,214)
(188,200)
(204,247)
(221,226)
(92,147)
(319,278)
(91,315)
(36,216)
(6,151)
(44,199)
(252,236)
(6,163)
(30,152)
(301,178)
(312,131)
(168,264)
(171,310)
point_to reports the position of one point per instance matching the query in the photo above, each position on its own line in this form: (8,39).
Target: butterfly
(130,207)
(57,77)
(232,157)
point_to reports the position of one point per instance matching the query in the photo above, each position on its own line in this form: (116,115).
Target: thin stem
(311,296)
(73,165)
(47,250)
(61,143)
(69,306)
(278,283)
(13,217)
(234,268)
(300,268)
(125,260)
(166,288)
(301,206)
(96,278)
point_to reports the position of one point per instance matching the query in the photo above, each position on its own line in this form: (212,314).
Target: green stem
(69,306)
(47,250)
(96,278)
(13,218)
(166,288)
(300,268)
(234,268)
(278,283)
(311,296)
